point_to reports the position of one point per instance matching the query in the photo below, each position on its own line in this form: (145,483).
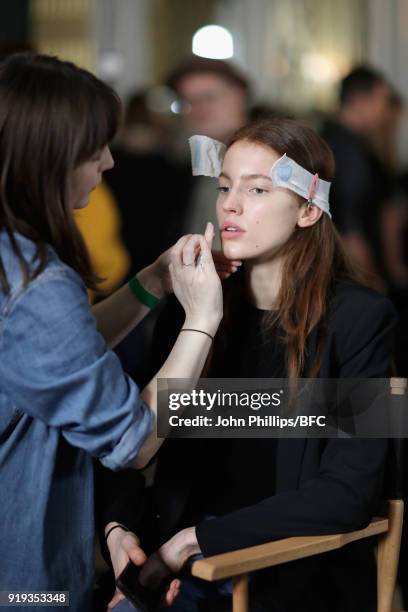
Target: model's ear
(309,214)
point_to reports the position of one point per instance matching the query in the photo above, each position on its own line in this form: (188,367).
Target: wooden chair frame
(238,564)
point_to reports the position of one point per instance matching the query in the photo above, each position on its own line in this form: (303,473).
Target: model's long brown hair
(314,258)
(53,117)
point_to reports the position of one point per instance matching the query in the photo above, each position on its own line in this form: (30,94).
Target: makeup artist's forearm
(186,360)
(121,312)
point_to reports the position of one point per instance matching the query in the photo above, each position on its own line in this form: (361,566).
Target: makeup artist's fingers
(209,234)
(177,249)
(191,249)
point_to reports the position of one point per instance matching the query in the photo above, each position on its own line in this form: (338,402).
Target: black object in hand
(143,598)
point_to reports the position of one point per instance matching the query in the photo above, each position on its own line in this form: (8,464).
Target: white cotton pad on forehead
(285,172)
(206,156)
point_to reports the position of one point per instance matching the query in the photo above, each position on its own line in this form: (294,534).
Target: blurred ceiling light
(319,68)
(111,65)
(178,107)
(214,42)
(175,107)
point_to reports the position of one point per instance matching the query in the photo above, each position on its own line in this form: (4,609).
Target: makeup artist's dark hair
(53,117)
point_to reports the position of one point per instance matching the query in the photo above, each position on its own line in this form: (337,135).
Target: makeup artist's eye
(97,155)
(223,189)
(258,190)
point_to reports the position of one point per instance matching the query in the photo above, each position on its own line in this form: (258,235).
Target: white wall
(273,37)
(121,32)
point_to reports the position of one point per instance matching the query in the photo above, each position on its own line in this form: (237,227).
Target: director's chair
(388,527)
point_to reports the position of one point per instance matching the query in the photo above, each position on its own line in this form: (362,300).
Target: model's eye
(258,190)
(223,189)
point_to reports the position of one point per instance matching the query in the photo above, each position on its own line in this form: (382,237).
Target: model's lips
(231,230)
(230,226)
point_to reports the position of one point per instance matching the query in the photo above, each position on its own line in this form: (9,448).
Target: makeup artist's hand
(160,268)
(196,283)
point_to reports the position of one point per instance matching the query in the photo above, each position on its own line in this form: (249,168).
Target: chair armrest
(275,553)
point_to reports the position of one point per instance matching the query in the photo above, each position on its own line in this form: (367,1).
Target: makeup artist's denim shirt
(63,400)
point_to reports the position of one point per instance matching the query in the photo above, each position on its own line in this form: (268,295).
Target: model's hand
(179,548)
(159,270)
(170,558)
(124,546)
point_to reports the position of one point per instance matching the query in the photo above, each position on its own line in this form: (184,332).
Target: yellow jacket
(99,224)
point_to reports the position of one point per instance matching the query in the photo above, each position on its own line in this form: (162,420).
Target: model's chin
(233,250)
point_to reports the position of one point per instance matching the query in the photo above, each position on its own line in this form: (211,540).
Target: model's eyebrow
(247,177)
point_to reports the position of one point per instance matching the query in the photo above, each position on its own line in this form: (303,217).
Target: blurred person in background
(385,139)
(394,228)
(213,96)
(362,185)
(393,221)
(395,215)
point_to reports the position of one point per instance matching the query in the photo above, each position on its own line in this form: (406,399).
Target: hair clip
(313,187)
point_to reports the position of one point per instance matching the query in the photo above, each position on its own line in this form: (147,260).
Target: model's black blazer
(323,486)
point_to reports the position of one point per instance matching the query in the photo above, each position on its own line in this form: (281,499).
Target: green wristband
(142,295)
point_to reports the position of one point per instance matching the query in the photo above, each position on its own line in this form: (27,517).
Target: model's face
(380,104)
(374,106)
(264,217)
(87,176)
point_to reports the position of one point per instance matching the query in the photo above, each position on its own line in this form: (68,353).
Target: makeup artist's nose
(107,160)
